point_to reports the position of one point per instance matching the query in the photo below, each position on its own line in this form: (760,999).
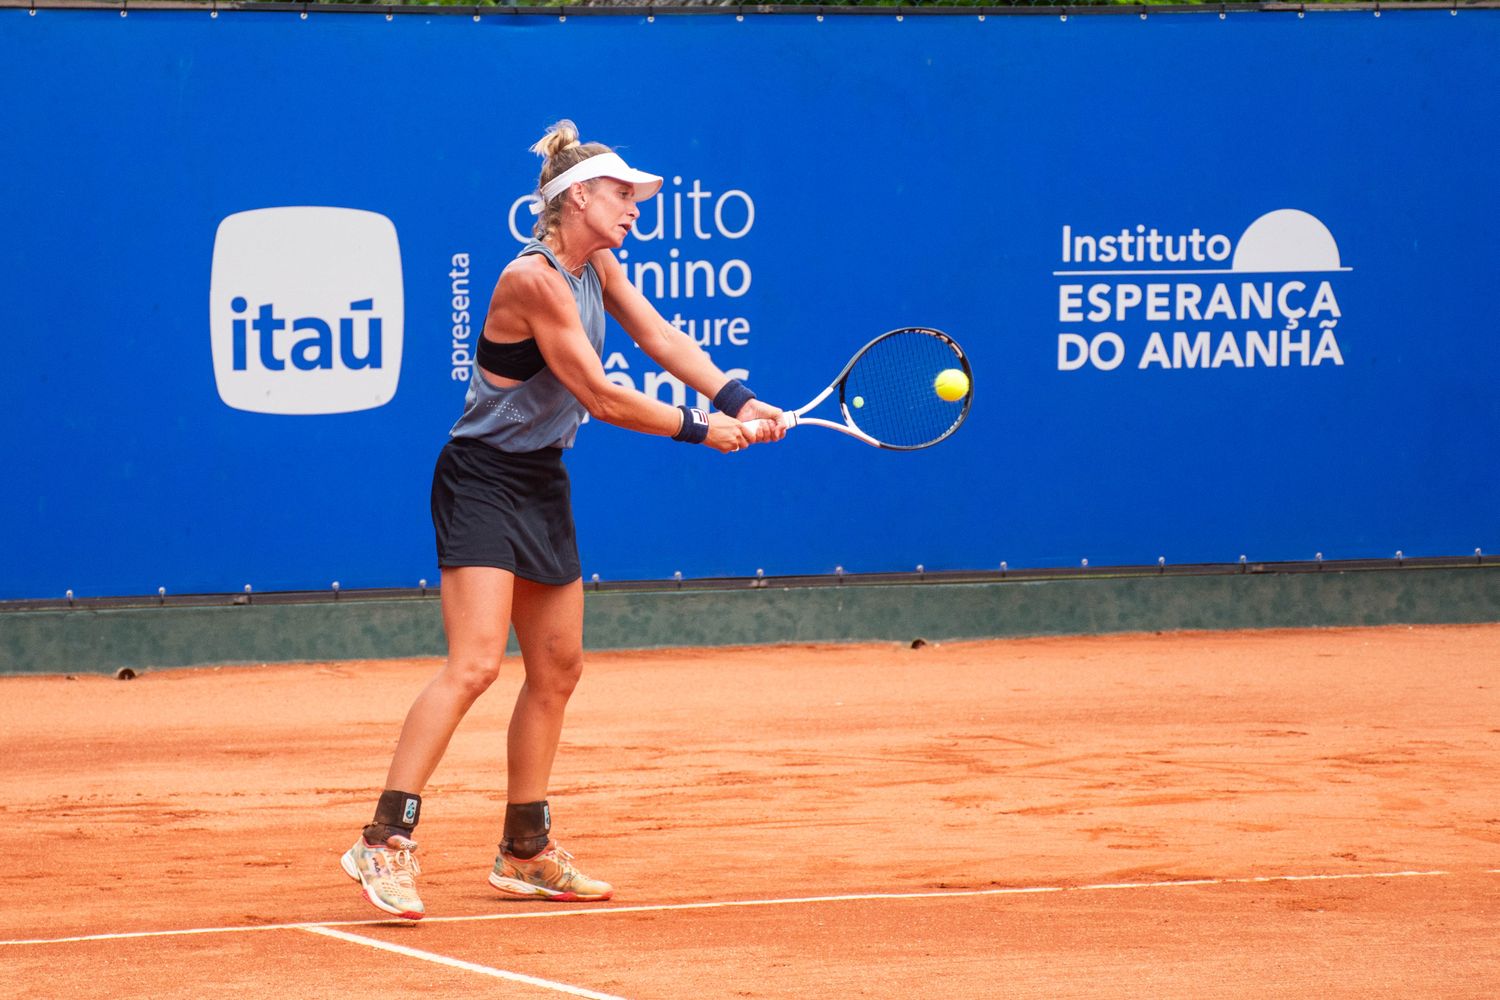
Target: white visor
(600,165)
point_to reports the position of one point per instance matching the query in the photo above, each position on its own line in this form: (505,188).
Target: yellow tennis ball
(951,384)
(859,401)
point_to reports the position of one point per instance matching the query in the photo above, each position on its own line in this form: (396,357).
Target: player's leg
(476,620)
(476,613)
(549,626)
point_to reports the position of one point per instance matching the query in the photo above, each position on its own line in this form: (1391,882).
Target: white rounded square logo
(306,310)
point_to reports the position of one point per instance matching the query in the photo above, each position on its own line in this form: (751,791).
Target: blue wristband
(694,428)
(733,397)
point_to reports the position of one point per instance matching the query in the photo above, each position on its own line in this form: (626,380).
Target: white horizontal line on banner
(1222,270)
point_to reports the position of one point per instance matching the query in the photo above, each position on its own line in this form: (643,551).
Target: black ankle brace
(395,814)
(527,828)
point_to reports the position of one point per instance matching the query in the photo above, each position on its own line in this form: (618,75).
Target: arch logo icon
(306,309)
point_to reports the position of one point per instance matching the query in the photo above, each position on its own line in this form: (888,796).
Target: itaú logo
(306,310)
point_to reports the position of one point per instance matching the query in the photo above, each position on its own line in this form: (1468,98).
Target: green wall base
(58,641)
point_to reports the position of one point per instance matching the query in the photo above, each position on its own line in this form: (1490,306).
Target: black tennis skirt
(511,510)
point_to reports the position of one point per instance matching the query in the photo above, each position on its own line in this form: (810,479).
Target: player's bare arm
(669,347)
(541,296)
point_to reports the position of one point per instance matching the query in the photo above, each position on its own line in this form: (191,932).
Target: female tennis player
(503,517)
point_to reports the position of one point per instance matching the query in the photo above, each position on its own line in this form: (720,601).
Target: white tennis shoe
(551,875)
(387,874)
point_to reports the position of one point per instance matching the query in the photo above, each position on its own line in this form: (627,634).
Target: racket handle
(788,419)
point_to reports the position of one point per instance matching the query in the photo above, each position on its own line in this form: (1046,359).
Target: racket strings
(890,394)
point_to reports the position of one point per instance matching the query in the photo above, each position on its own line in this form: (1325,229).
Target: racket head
(888,390)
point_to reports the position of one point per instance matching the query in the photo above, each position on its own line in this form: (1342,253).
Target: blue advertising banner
(1227,284)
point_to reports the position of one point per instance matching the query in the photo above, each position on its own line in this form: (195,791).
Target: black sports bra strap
(519,360)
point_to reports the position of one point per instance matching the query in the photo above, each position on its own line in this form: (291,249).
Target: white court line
(454,963)
(596,911)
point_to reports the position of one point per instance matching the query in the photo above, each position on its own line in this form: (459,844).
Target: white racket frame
(794,418)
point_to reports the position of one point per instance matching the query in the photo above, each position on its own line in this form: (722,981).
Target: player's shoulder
(604,260)
(608,267)
(532,278)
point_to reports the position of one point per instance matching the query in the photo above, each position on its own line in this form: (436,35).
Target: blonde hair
(560,150)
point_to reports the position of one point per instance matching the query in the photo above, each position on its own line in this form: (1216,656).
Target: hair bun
(560,136)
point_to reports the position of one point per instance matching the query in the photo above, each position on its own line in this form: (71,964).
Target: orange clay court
(1248,814)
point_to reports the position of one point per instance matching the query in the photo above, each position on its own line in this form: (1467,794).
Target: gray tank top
(540,412)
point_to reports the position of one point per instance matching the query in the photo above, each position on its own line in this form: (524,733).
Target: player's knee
(474,674)
(557,675)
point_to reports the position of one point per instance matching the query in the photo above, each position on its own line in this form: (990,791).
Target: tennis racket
(904,390)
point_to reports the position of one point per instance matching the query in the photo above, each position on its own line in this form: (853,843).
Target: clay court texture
(1234,814)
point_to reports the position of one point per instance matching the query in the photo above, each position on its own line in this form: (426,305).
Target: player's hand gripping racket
(904,390)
